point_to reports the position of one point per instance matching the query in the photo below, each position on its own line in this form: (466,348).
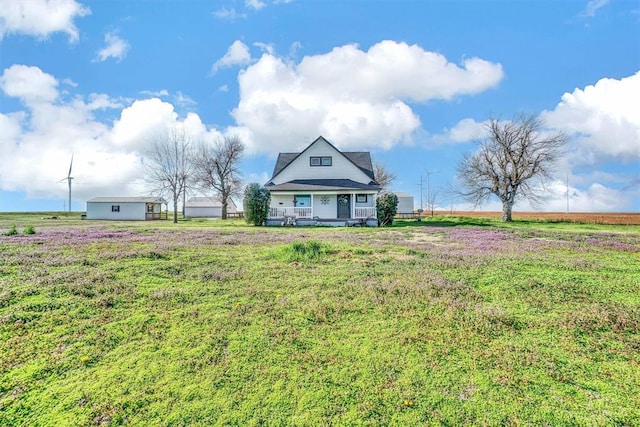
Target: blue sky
(410,81)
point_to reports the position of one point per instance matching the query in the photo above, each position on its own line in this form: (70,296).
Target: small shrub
(256,204)
(387,208)
(12,231)
(29,230)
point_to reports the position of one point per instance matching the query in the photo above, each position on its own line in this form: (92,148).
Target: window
(115,208)
(361,198)
(302,201)
(320,161)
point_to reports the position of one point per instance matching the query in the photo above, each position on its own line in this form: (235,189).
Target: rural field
(447,321)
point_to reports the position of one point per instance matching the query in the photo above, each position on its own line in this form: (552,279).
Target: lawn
(449,321)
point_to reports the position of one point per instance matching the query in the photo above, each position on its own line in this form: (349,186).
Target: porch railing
(294,212)
(156,215)
(364,212)
(307,212)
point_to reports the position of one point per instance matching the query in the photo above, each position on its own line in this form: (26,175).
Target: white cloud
(29,84)
(229,14)
(116,48)
(602,119)
(223,88)
(237,54)
(351,96)
(596,197)
(184,101)
(465,130)
(254,4)
(593,6)
(155,93)
(37,142)
(265,47)
(40,18)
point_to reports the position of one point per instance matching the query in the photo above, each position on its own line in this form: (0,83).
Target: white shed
(207,207)
(405,204)
(126,208)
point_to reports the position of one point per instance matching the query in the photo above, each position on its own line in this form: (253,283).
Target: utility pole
(421,195)
(429,203)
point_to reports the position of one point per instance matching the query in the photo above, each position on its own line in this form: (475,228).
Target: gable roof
(361,159)
(127,200)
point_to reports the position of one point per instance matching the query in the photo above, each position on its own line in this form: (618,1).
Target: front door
(344,206)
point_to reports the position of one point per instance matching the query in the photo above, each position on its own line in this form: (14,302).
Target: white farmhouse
(323,185)
(208,207)
(126,208)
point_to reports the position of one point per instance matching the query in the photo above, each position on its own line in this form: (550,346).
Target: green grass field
(450,321)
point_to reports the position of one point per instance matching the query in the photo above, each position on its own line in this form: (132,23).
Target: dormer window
(320,161)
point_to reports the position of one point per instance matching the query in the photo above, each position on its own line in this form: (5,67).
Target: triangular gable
(361,160)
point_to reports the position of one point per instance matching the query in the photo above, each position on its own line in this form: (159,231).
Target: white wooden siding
(341,167)
(128,211)
(405,205)
(204,212)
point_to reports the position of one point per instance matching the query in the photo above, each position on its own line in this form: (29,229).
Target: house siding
(405,204)
(301,169)
(204,212)
(128,211)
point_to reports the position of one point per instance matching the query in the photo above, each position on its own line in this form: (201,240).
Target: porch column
(353,205)
(311,205)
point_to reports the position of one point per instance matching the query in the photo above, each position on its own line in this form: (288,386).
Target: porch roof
(322,185)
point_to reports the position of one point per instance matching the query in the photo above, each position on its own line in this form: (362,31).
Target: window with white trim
(320,161)
(361,198)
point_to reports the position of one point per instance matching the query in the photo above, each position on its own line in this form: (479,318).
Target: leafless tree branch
(515,156)
(217,168)
(168,164)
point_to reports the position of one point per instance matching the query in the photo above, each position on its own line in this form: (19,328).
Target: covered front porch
(322,208)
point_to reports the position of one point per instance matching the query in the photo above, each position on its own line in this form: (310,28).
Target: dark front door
(344,206)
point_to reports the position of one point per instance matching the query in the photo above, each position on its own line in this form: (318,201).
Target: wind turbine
(69,178)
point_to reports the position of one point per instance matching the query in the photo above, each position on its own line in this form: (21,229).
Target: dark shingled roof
(322,184)
(362,159)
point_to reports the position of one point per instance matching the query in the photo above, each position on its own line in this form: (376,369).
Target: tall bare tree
(168,164)
(512,162)
(384,177)
(217,168)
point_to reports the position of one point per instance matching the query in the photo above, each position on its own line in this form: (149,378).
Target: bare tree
(383,176)
(432,197)
(168,164)
(512,160)
(217,168)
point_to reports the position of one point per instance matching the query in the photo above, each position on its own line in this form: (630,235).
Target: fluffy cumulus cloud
(350,95)
(29,84)
(465,130)
(40,18)
(237,54)
(602,119)
(115,47)
(36,142)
